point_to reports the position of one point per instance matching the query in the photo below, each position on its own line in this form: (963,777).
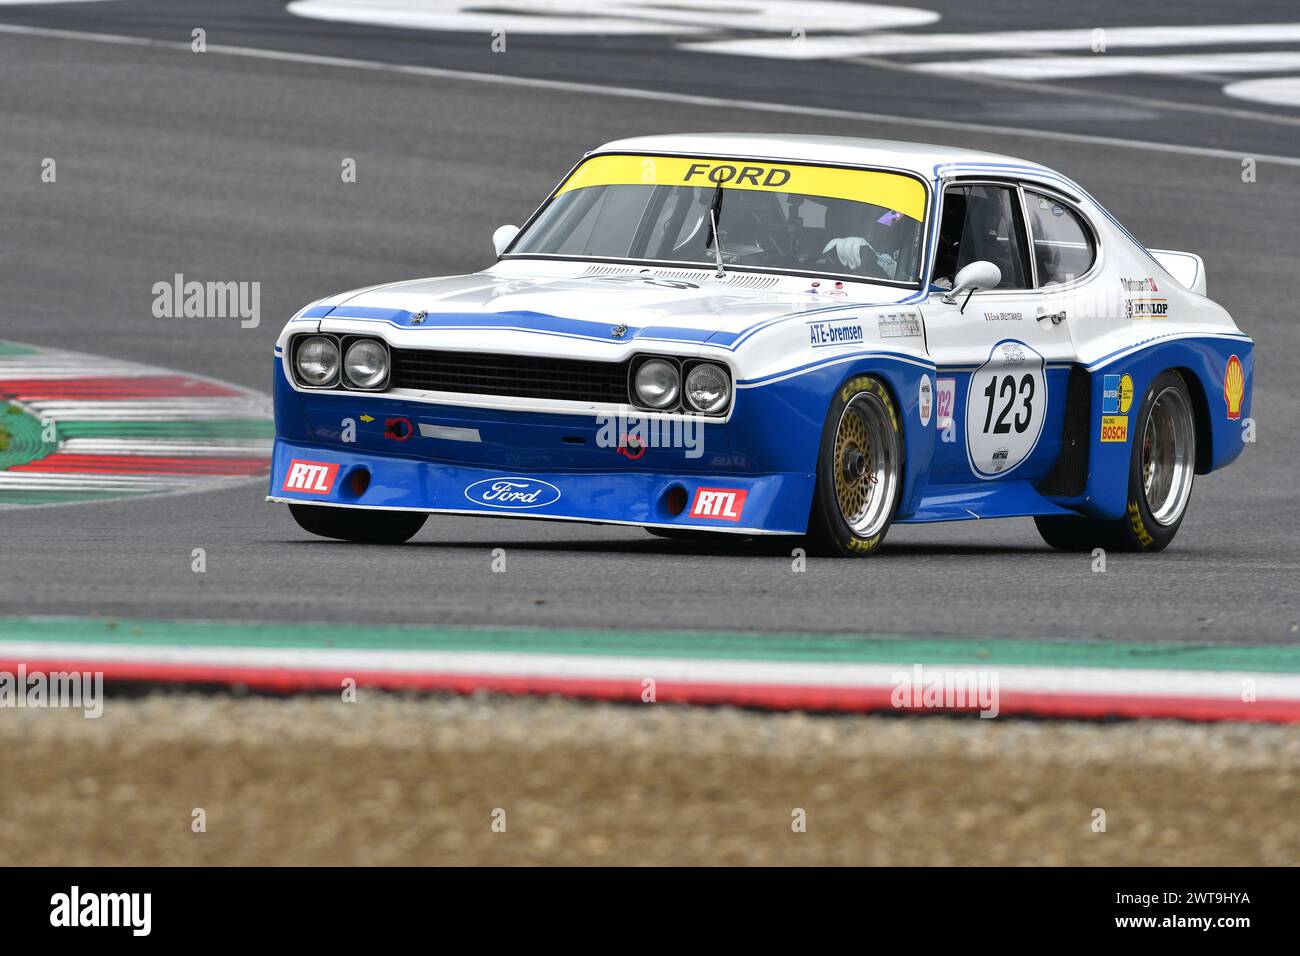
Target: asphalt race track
(226,167)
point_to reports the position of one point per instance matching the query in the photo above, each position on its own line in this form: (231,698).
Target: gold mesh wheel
(866,464)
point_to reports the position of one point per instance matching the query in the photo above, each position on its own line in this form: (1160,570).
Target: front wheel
(859,470)
(358,524)
(1161,468)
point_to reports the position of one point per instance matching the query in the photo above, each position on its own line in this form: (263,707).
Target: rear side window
(1063,247)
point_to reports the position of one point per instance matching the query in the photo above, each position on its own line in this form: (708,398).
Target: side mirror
(971,278)
(503,236)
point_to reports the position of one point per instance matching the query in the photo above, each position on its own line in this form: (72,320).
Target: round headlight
(657,383)
(366,363)
(318,361)
(708,388)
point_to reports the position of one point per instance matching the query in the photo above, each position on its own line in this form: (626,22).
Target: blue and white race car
(775,335)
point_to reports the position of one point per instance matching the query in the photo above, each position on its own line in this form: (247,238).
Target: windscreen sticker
(894,191)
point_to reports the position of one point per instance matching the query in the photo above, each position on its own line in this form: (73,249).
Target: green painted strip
(820,648)
(10,496)
(13,348)
(232,428)
(20,438)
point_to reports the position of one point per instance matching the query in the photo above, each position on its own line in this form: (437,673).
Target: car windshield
(810,220)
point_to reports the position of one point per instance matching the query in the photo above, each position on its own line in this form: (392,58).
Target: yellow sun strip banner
(890,190)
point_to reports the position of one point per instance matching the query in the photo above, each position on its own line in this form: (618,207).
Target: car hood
(643,302)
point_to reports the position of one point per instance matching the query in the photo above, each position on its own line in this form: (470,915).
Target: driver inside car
(862,237)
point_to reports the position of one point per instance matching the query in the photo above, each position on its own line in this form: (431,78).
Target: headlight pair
(364,363)
(658,383)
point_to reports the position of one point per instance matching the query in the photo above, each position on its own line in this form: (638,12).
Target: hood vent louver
(737,280)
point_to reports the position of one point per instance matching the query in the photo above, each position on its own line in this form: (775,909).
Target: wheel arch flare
(1219,374)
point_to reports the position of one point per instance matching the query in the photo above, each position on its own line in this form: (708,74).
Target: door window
(982,222)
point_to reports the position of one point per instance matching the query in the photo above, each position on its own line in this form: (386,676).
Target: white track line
(16,368)
(150,410)
(1226,685)
(1076,40)
(1076,67)
(1277,91)
(86,481)
(593,89)
(180,447)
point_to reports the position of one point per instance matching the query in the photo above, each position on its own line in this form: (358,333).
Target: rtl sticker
(311,477)
(719,504)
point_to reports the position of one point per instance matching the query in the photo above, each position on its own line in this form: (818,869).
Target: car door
(1003,355)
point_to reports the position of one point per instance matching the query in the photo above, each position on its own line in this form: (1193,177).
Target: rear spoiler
(1186,267)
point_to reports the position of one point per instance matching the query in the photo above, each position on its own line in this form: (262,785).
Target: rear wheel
(358,524)
(859,470)
(1161,470)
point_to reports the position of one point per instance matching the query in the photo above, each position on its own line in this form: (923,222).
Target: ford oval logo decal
(512,493)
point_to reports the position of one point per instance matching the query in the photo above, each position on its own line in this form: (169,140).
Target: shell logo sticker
(1234,387)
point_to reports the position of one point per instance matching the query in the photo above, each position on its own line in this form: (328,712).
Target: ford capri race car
(775,335)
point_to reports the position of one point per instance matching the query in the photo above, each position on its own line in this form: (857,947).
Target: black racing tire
(859,471)
(362,525)
(1162,463)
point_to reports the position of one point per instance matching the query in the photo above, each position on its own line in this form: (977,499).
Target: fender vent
(1069,476)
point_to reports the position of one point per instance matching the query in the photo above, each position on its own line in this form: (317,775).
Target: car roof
(920,158)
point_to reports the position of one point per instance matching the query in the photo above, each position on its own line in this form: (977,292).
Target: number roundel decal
(1005,409)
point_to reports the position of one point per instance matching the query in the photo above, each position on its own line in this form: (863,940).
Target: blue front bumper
(772,503)
(355,451)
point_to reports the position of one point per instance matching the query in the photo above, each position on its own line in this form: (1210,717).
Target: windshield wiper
(715,213)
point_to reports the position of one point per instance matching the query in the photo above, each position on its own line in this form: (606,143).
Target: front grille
(520,376)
